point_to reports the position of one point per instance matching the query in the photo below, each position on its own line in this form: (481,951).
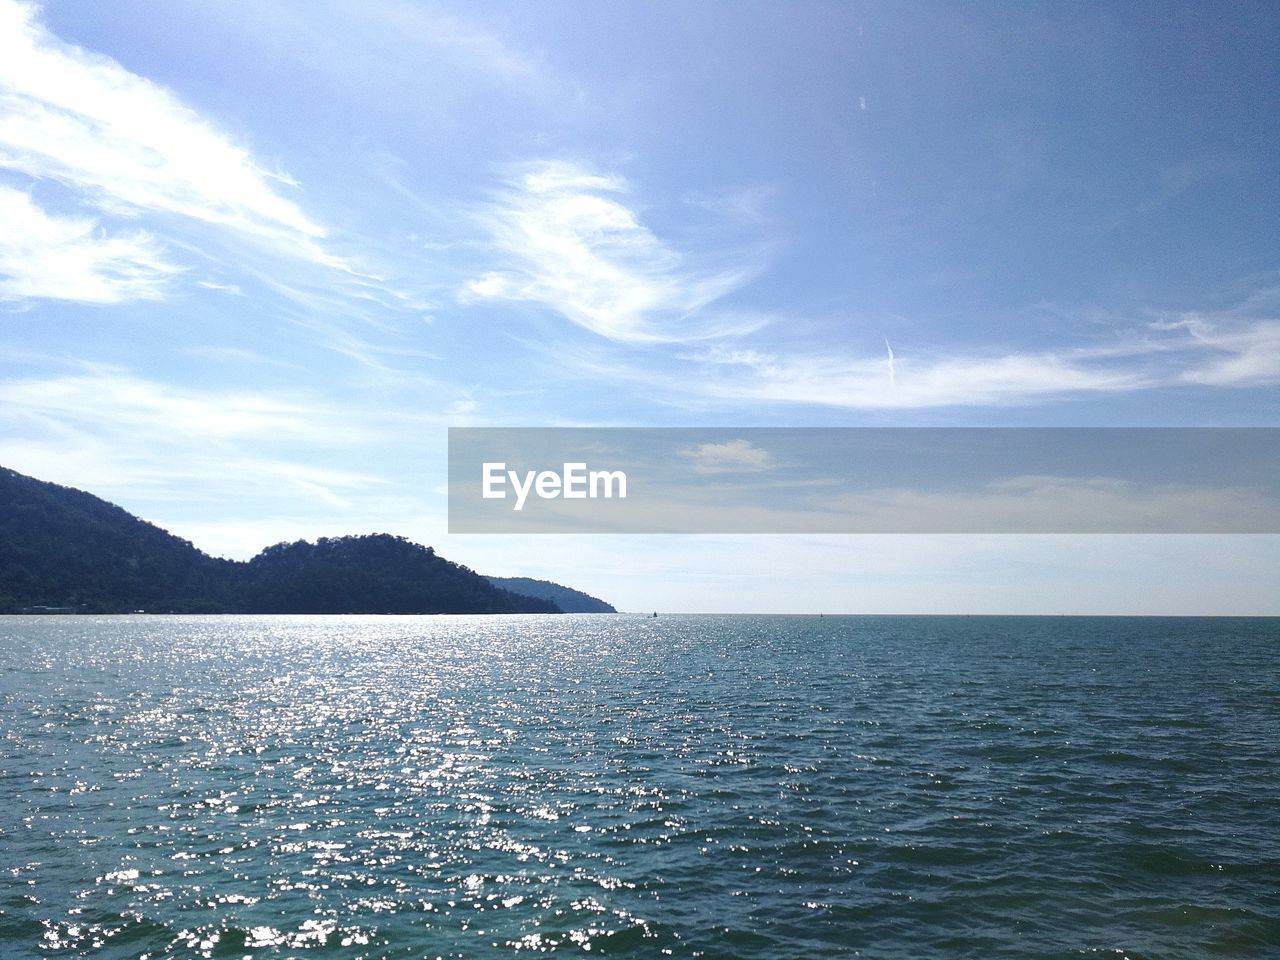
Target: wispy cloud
(402,48)
(576,246)
(126,145)
(187,473)
(74,258)
(466,45)
(229,288)
(732,456)
(106,397)
(905,381)
(218,465)
(1233,354)
(1224,350)
(108,430)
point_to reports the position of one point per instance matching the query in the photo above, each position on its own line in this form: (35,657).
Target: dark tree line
(372,574)
(61,547)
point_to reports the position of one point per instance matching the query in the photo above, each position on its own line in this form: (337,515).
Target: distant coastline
(68,551)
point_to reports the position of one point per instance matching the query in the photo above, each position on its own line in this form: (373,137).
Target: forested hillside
(64,548)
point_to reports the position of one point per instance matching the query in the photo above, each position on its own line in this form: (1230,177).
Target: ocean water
(719,787)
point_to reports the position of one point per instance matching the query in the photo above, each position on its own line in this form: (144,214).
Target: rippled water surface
(750,787)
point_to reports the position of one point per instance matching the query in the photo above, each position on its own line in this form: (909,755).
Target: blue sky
(256,258)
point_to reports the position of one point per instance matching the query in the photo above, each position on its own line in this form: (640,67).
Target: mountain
(373,574)
(64,548)
(566,598)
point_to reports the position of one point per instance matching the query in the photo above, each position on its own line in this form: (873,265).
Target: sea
(630,786)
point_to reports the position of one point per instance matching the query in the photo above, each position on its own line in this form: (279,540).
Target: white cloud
(228,288)
(128,145)
(1226,352)
(189,472)
(400,48)
(732,456)
(111,399)
(579,249)
(1222,351)
(1237,354)
(905,381)
(113,433)
(73,258)
(464,45)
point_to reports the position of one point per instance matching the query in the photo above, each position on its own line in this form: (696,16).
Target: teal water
(719,787)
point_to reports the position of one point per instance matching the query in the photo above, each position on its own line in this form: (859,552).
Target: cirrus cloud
(73,258)
(123,147)
(575,246)
(732,456)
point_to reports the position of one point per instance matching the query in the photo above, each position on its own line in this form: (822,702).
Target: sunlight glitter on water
(729,787)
